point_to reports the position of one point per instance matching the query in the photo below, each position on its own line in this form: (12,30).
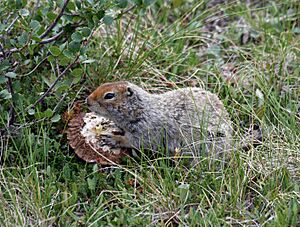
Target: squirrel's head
(118,100)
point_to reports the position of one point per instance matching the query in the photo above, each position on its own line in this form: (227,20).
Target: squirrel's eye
(109,95)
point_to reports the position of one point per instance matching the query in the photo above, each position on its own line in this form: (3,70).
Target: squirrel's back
(198,115)
(183,118)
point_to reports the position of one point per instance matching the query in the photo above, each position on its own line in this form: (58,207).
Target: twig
(27,125)
(10,51)
(1,49)
(11,113)
(58,35)
(128,10)
(1,146)
(55,82)
(51,39)
(8,29)
(57,67)
(72,14)
(38,65)
(63,97)
(48,30)
(44,41)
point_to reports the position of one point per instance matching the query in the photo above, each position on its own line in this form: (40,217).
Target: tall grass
(247,54)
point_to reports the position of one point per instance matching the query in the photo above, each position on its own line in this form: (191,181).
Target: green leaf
(55,118)
(184,192)
(91,184)
(88,61)
(51,58)
(74,46)
(31,111)
(34,24)
(83,51)
(177,3)
(48,113)
(24,12)
(138,2)
(51,16)
(71,6)
(85,31)
(122,3)
(3,79)
(63,60)
(296,30)
(63,87)
(4,65)
(22,39)
(27,61)
(95,168)
(63,46)
(40,31)
(35,37)
(66,171)
(95,19)
(77,72)
(108,20)
(100,14)
(31,48)
(76,36)
(2,27)
(47,81)
(11,75)
(54,50)
(68,54)
(5,94)
(77,79)
(148,2)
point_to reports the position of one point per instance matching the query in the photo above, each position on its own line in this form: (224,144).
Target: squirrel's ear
(129,91)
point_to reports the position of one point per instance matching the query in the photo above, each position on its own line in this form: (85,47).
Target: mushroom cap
(90,135)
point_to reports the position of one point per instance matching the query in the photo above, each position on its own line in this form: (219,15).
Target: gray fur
(189,119)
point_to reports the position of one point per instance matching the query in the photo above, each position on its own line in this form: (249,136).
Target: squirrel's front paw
(114,140)
(108,140)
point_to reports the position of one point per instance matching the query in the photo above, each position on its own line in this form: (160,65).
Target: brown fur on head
(114,100)
(117,89)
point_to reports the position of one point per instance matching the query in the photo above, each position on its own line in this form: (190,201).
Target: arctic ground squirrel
(190,120)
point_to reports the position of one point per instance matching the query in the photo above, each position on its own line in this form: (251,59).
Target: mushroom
(90,135)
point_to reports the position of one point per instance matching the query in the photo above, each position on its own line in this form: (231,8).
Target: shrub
(38,37)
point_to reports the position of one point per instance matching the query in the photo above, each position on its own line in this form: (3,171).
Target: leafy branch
(25,39)
(49,29)
(75,62)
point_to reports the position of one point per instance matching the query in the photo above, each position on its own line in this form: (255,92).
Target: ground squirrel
(189,119)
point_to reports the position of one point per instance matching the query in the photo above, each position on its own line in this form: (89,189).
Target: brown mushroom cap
(87,134)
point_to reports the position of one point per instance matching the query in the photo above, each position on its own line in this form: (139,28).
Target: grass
(248,54)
